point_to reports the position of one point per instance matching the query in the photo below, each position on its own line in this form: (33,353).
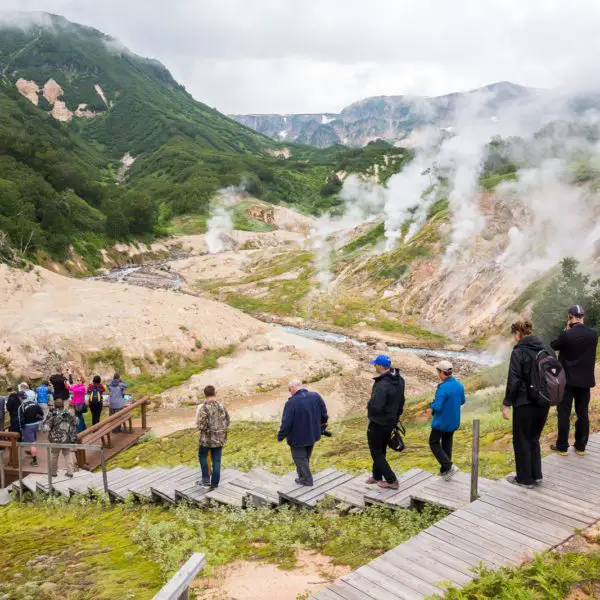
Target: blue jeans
(81,426)
(216,464)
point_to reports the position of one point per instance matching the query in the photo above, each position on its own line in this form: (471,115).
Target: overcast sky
(262,56)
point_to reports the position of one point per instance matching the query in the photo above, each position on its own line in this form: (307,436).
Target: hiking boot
(513,479)
(303,482)
(388,486)
(34,462)
(448,475)
(372,481)
(69,475)
(212,487)
(556,449)
(579,452)
(202,483)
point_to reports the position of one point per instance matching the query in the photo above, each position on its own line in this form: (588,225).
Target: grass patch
(112,357)
(147,384)
(491,181)
(549,575)
(188,225)
(370,238)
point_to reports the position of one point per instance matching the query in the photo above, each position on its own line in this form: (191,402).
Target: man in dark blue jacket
(304,416)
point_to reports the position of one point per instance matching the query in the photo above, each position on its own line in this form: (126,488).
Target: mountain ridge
(389,117)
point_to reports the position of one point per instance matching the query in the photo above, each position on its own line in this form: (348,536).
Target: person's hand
(506,412)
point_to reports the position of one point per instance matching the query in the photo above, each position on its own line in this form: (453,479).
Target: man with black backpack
(577,346)
(30,416)
(63,430)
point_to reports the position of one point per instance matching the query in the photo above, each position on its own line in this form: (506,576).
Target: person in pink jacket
(78,402)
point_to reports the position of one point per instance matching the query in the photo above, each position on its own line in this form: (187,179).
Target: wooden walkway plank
(166,490)
(438,571)
(564,487)
(388,576)
(435,551)
(406,481)
(310,495)
(573,465)
(347,591)
(509,534)
(546,510)
(551,527)
(145,493)
(513,521)
(493,534)
(489,559)
(558,500)
(374,590)
(466,556)
(470,537)
(353,491)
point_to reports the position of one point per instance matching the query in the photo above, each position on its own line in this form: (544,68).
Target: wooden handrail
(178,587)
(114,420)
(9,439)
(102,431)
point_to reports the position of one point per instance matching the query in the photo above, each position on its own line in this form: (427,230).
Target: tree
(568,287)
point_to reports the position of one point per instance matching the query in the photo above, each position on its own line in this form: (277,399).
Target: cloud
(320,55)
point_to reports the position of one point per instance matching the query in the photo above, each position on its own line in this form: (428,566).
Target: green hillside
(58,186)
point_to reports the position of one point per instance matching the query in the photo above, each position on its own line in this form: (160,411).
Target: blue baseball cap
(383,360)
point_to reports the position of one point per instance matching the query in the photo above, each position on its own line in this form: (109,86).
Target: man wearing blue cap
(577,346)
(384,410)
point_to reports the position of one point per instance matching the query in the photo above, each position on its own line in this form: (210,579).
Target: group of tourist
(58,406)
(305,418)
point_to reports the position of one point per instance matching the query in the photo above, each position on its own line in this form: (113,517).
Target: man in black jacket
(384,410)
(577,347)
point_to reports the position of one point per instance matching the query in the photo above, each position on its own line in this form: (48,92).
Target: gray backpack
(547,380)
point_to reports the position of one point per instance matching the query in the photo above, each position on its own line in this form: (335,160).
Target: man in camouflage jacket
(62,429)
(212,420)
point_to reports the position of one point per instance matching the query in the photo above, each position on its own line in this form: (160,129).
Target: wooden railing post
(49,463)
(178,587)
(475,462)
(2,479)
(20,462)
(104,475)
(144,417)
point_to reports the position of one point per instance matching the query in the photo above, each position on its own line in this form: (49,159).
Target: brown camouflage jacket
(212,420)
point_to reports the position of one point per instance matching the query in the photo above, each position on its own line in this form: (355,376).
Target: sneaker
(34,462)
(560,452)
(212,487)
(538,481)
(202,483)
(579,452)
(69,475)
(303,482)
(513,479)
(372,481)
(388,486)
(448,475)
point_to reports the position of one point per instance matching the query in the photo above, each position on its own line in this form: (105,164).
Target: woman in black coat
(529,418)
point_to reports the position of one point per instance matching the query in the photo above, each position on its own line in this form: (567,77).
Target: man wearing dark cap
(577,347)
(384,410)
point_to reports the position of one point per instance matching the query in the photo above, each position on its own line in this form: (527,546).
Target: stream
(158,274)
(480,358)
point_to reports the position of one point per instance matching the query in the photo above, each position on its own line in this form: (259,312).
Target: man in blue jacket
(449,397)
(304,418)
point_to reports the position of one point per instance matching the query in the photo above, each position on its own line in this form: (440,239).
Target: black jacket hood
(532,342)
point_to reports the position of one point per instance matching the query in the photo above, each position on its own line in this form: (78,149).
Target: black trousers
(581,398)
(528,423)
(96,410)
(440,443)
(378,437)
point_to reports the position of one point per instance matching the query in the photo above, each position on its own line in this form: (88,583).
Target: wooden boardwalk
(505,527)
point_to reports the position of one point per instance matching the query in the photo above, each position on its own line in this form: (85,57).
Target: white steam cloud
(220,223)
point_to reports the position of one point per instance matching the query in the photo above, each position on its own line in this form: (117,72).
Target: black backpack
(547,379)
(29,412)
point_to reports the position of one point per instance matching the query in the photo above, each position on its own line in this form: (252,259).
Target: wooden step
(352,492)
(122,483)
(308,496)
(453,494)
(123,489)
(236,492)
(265,493)
(197,494)
(165,491)
(143,491)
(42,485)
(408,482)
